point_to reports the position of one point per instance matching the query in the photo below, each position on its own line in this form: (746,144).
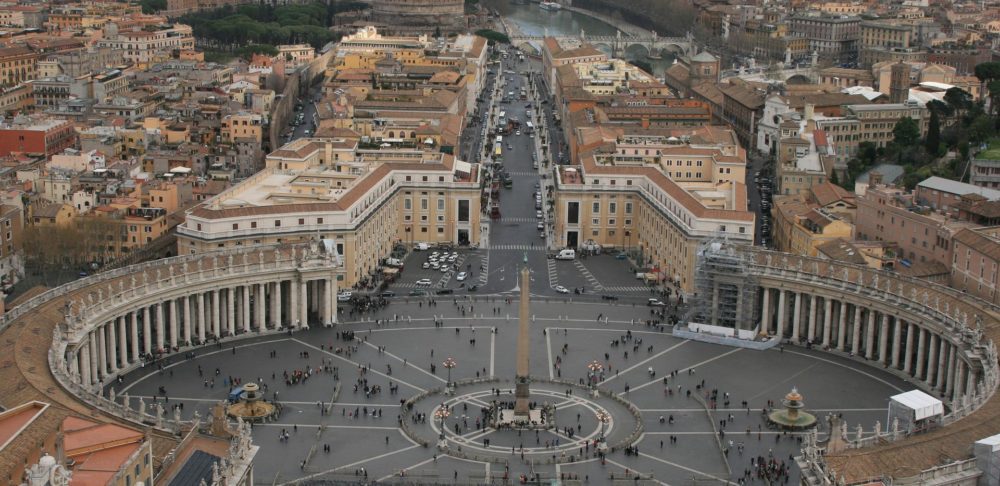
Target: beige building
(868,123)
(364,200)
(656,195)
(974,263)
(801,226)
(242,126)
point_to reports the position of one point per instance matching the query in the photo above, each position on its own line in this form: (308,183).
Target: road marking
(651,478)
(694,366)
(695,471)
(346,466)
(493,344)
(657,355)
(358,365)
(393,475)
(279,424)
(850,368)
(408,364)
(596,284)
(548,350)
(728,410)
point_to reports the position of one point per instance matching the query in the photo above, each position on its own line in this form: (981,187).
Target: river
(532,20)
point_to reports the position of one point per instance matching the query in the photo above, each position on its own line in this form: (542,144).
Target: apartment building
(364,199)
(869,123)
(38,135)
(832,36)
(975,260)
(802,225)
(143,47)
(658,195)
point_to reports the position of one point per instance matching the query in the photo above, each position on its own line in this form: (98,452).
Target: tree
(958,99)
(981,129)
(906,132)
(941,108)
(933,141)
(493,36)
(988,71)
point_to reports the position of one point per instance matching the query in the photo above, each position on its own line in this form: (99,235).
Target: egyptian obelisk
(521,380)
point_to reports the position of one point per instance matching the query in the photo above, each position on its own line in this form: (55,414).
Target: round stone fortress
(428,13)
(67,345)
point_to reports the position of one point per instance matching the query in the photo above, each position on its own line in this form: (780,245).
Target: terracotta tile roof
(990,247)
(828,193)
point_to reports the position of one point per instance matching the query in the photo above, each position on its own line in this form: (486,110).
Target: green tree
(981,129)
(933,141)
(958,99)
(906,132)
(988,71)
(153,6)
(493,36)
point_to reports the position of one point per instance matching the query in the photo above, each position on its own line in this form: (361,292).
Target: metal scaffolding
(726,291)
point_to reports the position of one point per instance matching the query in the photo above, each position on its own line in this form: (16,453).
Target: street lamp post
(449,364)
(603,417)
(595,368)
(441,414)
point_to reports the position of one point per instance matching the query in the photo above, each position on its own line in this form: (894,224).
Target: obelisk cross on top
(522,393)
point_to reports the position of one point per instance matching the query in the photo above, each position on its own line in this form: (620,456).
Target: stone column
(216,314)
(811,335)
(932,347)
(781,314)
(200,324)
(870,336)
(959,387)
(827,321)
(856,332)
(331,302)
(102,351)
(797,318)
(765,311)
(132,322)
(883,340)
(95,364)
(908,357)
(231,310)
(942,364)
(123,340)
(293,304)
(897,335)
(304,304)
(950,376)
(84,353)
(920,372)
(842,326)
(259,307)
(245,308)
(73,360)
(159,325)
(147,333)
(276,302)
(173,324)
(113,344)
(187,318)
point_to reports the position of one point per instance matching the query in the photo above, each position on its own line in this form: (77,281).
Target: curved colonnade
(939,339)
(98,327)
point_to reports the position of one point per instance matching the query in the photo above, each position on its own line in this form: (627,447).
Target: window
(407,204)
(423,204)
(277,223)
(596,208)
(463,210)
(253,224)
(611,222)
(573,212)
(612,208)
(423,230)
(319,220)
(440,204)
(302,221)
(236,226)
(595,222)
(440,230)
(628,208)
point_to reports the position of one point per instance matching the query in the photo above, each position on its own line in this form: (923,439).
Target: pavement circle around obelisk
(576,409)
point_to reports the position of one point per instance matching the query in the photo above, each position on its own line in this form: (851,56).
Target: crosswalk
(517,247)
(594,283)
(519,220)
(550,264)
(484,270)
(523,173)
(626,288)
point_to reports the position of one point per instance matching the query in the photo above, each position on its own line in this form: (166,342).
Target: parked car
(561,289)
(446,291)
(416,292)
(424,281)
(461,276)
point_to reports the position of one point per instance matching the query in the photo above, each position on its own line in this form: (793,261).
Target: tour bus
(497,151)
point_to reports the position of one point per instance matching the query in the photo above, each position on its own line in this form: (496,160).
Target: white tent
(922,404)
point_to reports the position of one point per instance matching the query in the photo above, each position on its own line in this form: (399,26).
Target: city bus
(497,151)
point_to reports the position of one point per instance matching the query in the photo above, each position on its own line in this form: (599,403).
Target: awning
(922,404)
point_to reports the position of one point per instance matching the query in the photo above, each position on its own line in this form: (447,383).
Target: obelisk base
(521,396)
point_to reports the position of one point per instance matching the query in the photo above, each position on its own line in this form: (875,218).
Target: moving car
(561,289)
(655,303)
(461,276)
(566,254)
(344,296)
(424,281)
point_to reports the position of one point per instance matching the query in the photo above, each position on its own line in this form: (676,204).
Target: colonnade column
(827,322)
(765,311)
(259,308)
(883,339)
(293,304)
(959,380)
(856,331)
(330,301)
(200,324)
(781,313)
(173,324)
(102,351)
(842,326)
(811,336)
(932,348)
(231,310)
(908,358)
(95,366)
(84,353)
(870,336)
(797,317)
(942,364)
(950,375)
(304,304)
(187,318)
(897,329)
(159,326)
(216,314)
(920,373)
(123,341)
(134,328)
(113,344)
(276,305)
(245,313)
(147,333)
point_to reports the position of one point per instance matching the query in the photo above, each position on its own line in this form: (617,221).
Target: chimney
(810,112)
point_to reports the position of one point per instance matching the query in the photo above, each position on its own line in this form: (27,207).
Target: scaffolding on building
(726,289)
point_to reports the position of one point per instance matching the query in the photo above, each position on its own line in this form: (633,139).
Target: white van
(421,247)
(566,254)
